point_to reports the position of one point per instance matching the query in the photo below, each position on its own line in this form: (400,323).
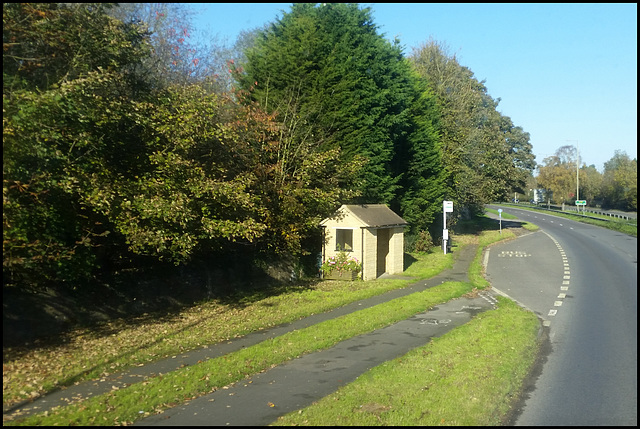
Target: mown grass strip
(115,346)
(161,392)
(629,227)
(504,215)
(476,269)
(468,376)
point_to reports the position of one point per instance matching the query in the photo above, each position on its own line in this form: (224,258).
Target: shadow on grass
(234,298)
(150,294)
(408,260)
(40,319)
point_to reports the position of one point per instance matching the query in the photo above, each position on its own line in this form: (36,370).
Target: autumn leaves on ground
(88,354)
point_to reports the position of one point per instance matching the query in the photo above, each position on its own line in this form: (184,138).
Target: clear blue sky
(563,72)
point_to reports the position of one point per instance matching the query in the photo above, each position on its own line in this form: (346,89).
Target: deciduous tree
(620,182)
(483,153)
(326,74)
(179,53)
(590,185)
(558,175)
(97,167)
(58,72)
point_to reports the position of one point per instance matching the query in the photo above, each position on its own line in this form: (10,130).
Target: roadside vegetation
(616,187)
(155,149)
(629,227)
(467,377)
(133,343)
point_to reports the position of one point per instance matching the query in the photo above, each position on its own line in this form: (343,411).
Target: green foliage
(59,85)
(341,263)
(325,72)
(47,43)
(115,144)
(420,164)
(620,182)
(590,185)
(483,154)
(195,190)
(423,242)
(615,188)
(97,167)
(558,175)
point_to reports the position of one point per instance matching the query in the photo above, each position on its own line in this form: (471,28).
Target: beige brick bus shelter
(372,233)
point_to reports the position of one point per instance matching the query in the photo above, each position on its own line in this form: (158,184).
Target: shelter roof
(370,215)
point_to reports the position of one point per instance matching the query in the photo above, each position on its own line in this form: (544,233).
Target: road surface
(582,281)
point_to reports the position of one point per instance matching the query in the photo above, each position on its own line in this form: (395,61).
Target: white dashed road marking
(566,280)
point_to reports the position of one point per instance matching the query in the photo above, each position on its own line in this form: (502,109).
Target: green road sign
(581,202)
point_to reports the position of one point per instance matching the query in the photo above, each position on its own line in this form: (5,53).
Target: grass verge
(87,354)
(468,376)
(161,392)
(629,227)
(504,215)
(525,225)
(168,390)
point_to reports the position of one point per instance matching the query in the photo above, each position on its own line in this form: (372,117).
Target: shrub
(341,263)
(423,242)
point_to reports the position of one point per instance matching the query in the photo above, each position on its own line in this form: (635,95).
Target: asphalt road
(582,280)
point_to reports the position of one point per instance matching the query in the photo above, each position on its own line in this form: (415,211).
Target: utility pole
(577,173)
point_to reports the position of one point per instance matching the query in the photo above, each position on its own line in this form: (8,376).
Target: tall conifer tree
(333,81)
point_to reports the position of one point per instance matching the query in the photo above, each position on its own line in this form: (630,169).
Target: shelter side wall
(369,261)
(395,258)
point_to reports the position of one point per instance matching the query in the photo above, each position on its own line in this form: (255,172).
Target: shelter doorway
(382,251)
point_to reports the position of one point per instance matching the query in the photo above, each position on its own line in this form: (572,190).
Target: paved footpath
(299,382)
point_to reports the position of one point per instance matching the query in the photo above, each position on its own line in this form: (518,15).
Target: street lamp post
(577,173)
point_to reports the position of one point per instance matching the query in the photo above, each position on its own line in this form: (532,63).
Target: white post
(444,230)
(447,206)
(577,175)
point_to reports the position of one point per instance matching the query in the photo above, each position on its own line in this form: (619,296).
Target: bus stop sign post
(500,216)
(447,207)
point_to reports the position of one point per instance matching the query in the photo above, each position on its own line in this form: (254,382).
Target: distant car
(533,202)
(515,200)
